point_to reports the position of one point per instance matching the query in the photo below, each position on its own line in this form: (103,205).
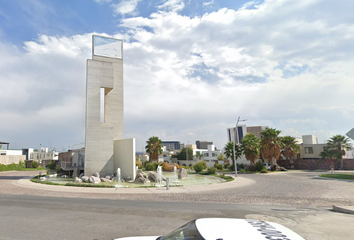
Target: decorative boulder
(141,180)
(85,178)
(182,173)
(63,176)
(283,169)
(105,180)
(96,174)
(78,180)
(141,172)
(153,176)
(94,179)
(81,175)
(42,178)
(108,177)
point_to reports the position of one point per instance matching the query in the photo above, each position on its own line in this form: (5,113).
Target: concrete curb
(238,182)
(343,209)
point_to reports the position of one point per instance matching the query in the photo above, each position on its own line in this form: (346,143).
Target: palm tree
(290,149)
(337,146)
(251,147)
(198,155)
(229,151)
(270,145)
(154,148)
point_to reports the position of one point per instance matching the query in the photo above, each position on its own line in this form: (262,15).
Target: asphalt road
(297,200)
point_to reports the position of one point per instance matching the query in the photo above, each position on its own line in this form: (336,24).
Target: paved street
(297,200)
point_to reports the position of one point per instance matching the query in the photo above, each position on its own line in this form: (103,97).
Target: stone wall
(8,159)
(318,164)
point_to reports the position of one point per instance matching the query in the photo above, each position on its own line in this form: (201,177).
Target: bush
(139,164)
(35,164)
(218,166)
(264,170)
(232,167)
(259,166)
(169,167)
(226,165)
(58,168)
(251,168)
(149,166)
(21,165)
(241,166)
(199,166)
(211,170)
(51,165)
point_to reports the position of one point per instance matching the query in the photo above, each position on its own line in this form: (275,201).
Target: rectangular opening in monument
(102,98)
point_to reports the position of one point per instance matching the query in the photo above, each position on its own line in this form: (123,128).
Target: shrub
(232,167)
(169,167)
(251,168)
(21,165)
(241,166)
(226,165)
(35,164)
(58,168)
(264,170)
(259,166)
(149,166)
(51,165)
(139,164)
(218,166)
(199,166)
(211,170)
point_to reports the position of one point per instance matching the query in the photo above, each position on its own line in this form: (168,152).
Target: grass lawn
(339,176)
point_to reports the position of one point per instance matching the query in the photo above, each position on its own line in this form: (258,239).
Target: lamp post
(236,136)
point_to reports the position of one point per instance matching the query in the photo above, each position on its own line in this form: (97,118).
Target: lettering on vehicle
(268,230)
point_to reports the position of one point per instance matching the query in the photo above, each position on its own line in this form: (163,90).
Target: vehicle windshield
(186,232)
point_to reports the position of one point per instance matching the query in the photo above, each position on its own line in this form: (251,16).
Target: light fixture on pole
(236,137)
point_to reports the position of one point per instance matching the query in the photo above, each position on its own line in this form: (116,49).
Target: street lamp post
(236,136)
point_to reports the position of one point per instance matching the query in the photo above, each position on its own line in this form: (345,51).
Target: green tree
(182,154)
(198,154)
(221,157)
(229,151)
(271,145)
(154,148)
(336,147)
(290,149)
(251,147)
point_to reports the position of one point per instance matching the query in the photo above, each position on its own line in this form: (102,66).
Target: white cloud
(206,4)
(172,6)
(279,63)
(126,7)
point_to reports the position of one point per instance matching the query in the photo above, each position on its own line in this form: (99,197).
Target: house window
(206,154)
(308,150)
(214,154)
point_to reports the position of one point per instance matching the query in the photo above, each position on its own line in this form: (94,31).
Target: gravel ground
(293,188)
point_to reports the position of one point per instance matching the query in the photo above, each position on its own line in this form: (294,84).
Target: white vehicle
(226,229)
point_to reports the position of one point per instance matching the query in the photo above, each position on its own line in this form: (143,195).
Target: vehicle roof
(243,229)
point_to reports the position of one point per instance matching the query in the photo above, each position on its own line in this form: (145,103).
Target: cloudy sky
(191,68)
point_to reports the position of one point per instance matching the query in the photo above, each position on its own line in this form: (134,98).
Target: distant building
(44,156)
(72,159)
(9,156)
(210,156)
(203,144)
(242,130)
(172,145)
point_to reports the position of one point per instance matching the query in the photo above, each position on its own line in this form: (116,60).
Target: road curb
(343,209)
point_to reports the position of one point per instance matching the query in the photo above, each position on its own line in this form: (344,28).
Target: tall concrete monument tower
(105,148)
